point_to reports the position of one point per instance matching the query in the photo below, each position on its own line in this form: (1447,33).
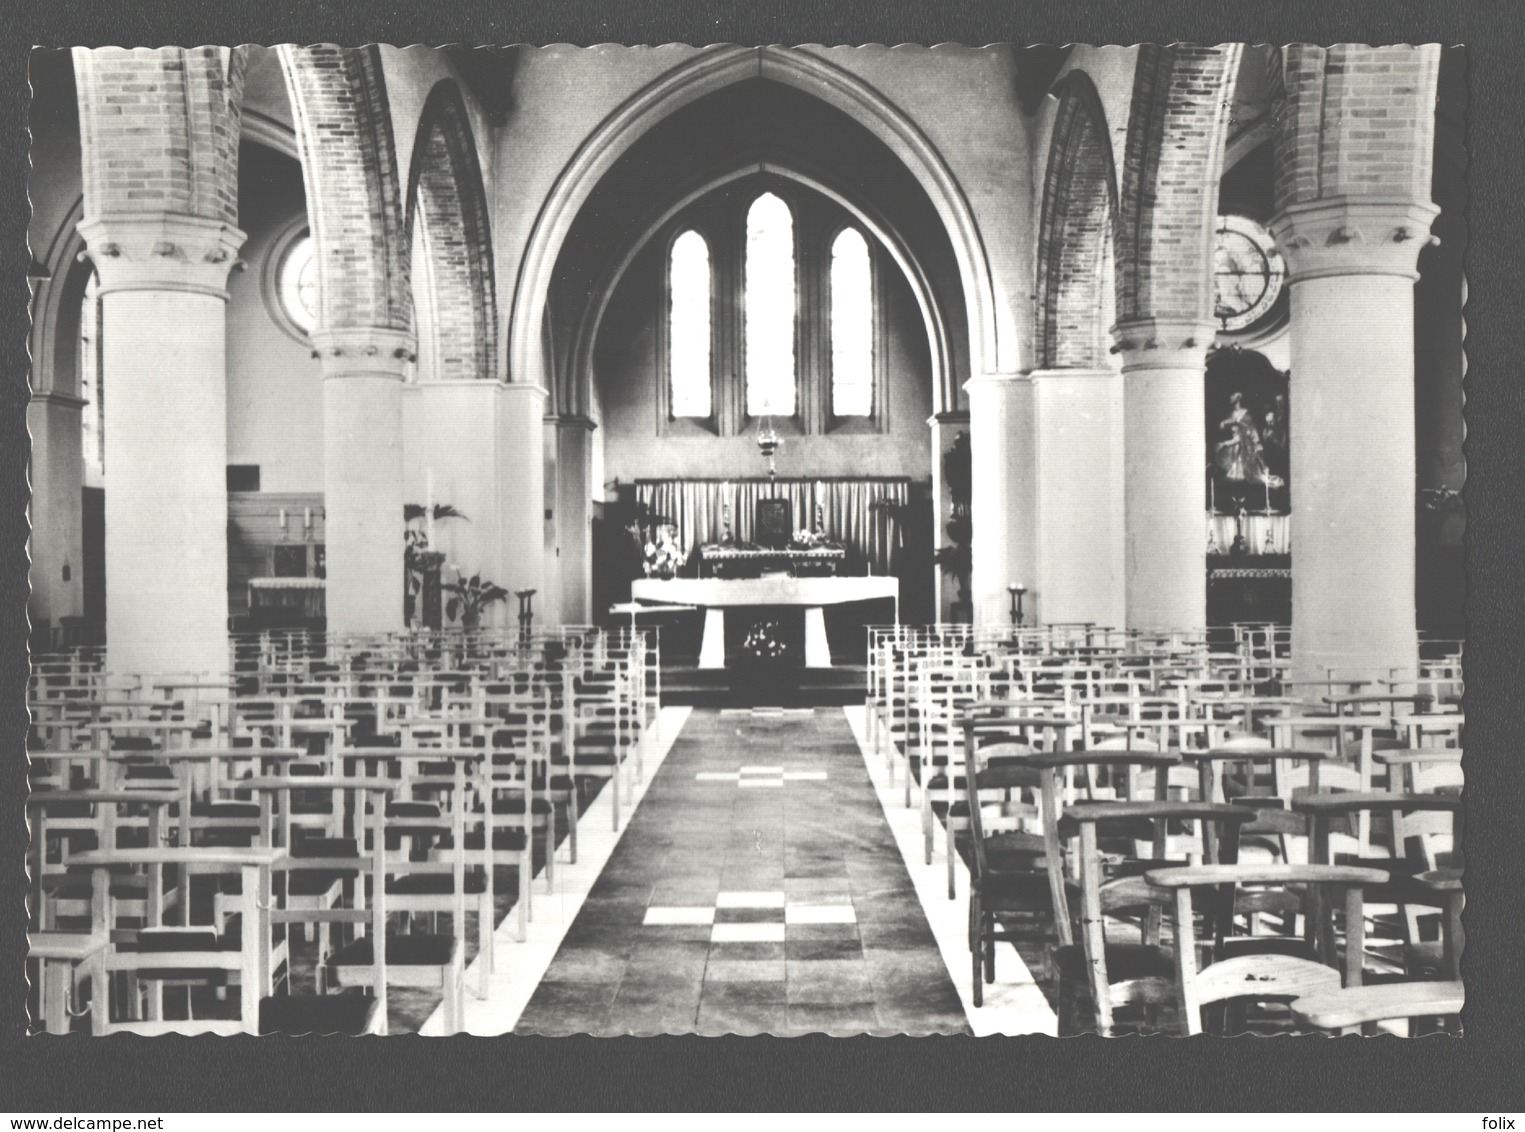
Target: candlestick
(429,506)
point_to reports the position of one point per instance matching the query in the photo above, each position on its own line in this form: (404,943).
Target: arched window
(91,382)
(852,326)
(770,304)
(688,325)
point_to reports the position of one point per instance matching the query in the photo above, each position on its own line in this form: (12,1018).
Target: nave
(1096,823)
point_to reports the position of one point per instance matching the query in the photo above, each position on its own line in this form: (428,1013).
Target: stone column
(1002,440)
(452,443)
(1078,421)
(573,564)
(363,500)
(163,288)
(1165,472)
(944,426)
(1352,266)
(521,515)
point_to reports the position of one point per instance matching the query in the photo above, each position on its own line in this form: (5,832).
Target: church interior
(781,540)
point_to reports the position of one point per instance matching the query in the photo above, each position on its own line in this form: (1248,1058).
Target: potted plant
(469,597)
(421,562)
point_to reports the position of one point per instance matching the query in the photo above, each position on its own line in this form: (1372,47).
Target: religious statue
(1241,458)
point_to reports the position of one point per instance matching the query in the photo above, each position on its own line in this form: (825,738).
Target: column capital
(162,252)
(525,391)
(957,418)
(1353,236)
(996,381)
(571,421)
(1049,376)
(1163,343)
(364,351)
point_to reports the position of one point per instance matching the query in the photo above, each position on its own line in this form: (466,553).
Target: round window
(1248,273)
(297,282)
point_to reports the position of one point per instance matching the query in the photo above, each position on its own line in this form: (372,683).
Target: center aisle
(758,889)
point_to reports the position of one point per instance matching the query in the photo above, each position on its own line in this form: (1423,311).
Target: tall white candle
(429,507)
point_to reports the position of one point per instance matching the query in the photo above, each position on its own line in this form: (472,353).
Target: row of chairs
(1074,769)
(336,788)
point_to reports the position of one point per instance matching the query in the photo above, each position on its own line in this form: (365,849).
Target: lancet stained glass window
(688,325)
(770,304)
(852,326)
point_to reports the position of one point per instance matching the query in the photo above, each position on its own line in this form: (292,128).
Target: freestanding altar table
(714,595)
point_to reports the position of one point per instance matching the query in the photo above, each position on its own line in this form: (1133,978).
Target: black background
(1481,1073)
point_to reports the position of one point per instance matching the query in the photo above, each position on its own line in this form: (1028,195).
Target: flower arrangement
(664,557)
(763,642)
(816,536)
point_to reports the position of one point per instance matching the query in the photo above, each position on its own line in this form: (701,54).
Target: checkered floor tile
(760,776)
(752,917)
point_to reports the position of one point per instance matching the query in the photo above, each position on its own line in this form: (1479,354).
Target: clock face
(1248,273)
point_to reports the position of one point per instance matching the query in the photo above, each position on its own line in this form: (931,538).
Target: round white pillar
(1352,266)
(163,287)
(1002,503)
(1078,416)
(572,518)
(1164,473)
(363,476)
(521,434)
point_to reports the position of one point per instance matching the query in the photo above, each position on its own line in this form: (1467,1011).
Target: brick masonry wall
(448,199)
(159,131)
(344,133)
(1354,121)
(1079,205)
(1173,160)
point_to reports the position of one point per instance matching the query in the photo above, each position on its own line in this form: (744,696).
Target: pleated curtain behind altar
(847,511)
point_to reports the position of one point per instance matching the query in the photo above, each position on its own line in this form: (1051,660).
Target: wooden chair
(189,955)
(1350,1010)
(357,1013)
(1244,970)
(426,960)
(1122,974)
(1009,896)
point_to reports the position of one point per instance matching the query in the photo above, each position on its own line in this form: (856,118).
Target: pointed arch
(354,199)
(1169,198)
(1076,232)
(712,70)
(447,205)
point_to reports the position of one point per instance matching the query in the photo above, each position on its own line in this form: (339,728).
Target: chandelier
(767,444)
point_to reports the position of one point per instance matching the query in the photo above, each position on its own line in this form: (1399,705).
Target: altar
(716,595)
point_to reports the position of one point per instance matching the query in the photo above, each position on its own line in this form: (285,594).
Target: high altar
(716,595)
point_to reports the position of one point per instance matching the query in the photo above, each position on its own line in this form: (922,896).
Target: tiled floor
(757,889)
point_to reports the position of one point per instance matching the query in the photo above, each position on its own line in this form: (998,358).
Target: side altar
(716,595)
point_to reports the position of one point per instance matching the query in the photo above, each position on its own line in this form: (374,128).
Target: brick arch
(159,130)
(354,201)
(1177,125)
(1079,211)
(1353,121)
(445,185)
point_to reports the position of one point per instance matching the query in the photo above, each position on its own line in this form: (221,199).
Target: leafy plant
(958,473)
(469,597)
(958,470)
(412,511)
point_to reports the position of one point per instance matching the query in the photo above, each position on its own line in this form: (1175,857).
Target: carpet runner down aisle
(757,889)
(1017,1002)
